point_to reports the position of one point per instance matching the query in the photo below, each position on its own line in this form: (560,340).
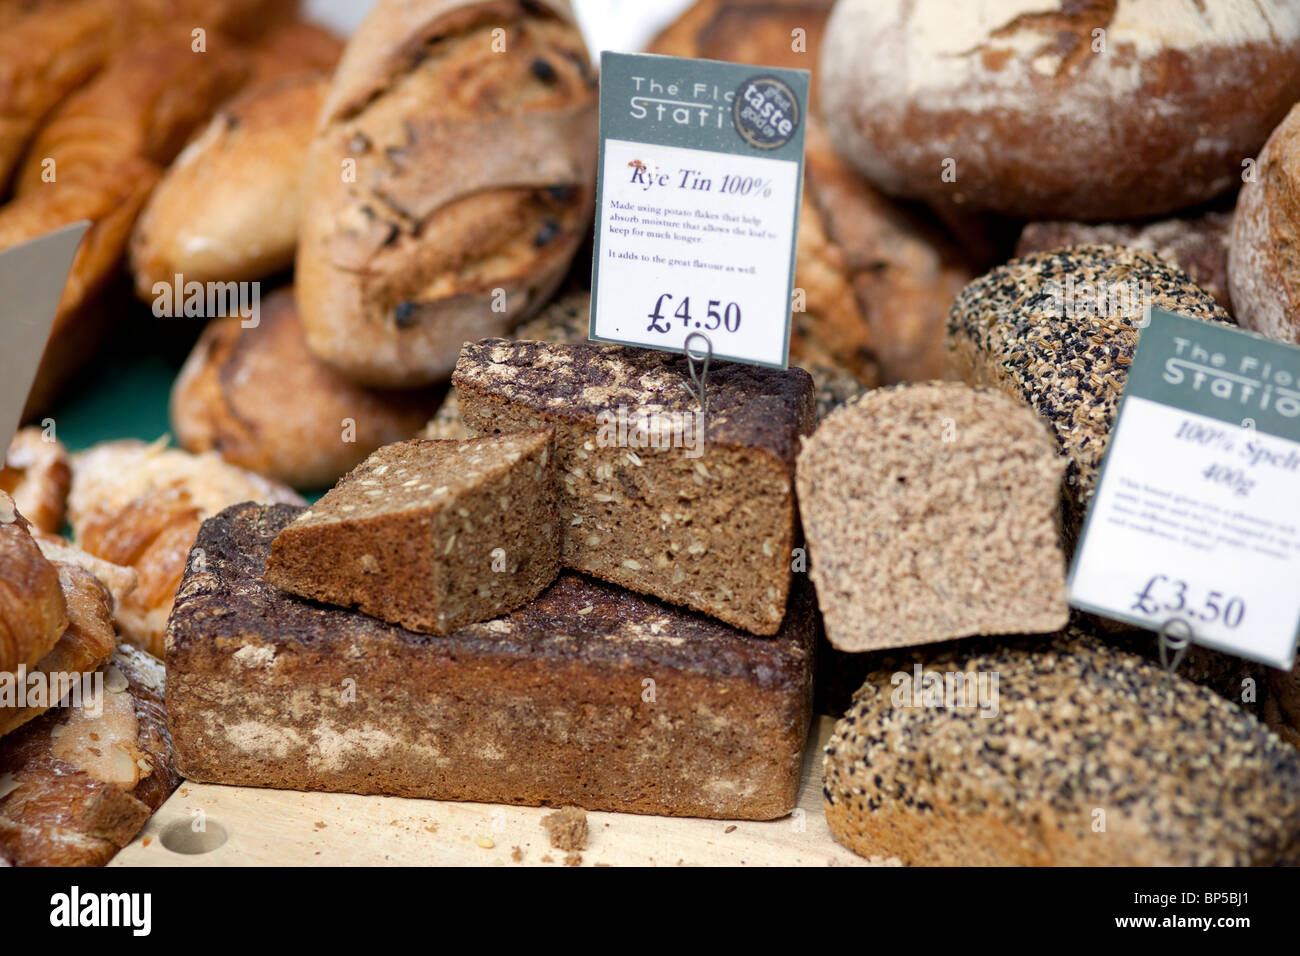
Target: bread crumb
(146,841)
(567,828)
(516,854)
(320,824)
(547,859)
(730,829)
(573,859)
(486,843)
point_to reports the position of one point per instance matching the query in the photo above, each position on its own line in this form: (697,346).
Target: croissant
(33,613)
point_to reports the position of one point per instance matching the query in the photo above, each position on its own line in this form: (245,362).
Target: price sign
(1196,518)
(700,176)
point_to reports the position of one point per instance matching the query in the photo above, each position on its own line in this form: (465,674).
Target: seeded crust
(589,696)
(713,532)
(932,512)
(1071,368)
(1183,777)
(431,535)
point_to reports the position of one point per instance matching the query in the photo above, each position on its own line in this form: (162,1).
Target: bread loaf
(431,535)
(37,473)
(1058,110)
(1078,755)
(1263,262)
(32,610)
(259,398)
(75,787)
(589,696)
(1058,330)
(1196,244)
(140,506)
(448,185)
(694,509)
(933,512)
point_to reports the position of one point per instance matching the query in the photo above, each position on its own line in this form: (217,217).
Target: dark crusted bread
(76,787)
(933,512)
(708,525)
(1032,329)
(1085,736)
(432,535)
(589,696)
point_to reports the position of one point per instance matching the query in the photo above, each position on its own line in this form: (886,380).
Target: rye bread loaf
(448,185)
(933,512)
(1058,330)
(1112,109)
(1196,244)
(698,512)
(589,696)
(431,535)
(1084,755)
(75,786)
(1263,261)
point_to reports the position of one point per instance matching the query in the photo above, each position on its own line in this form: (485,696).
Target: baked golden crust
(295,46)
(76,788)
(37,473)
(262,401)
(448,185)
(32,609)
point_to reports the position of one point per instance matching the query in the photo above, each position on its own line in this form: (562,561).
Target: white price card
(1196,517)
(700,176)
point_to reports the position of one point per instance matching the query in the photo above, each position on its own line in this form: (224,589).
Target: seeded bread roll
(75,786)
(32,610)
(1085,755)
(448,185)
(1198,245)
(431,535)
(37,473)
(1058,330)
(262,401)
(1058,109)
(1263,263)
(933,512)
(589,696)
(698,512)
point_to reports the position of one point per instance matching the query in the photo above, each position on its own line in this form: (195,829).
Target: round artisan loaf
(1106,109)
(1059,329)
(449,183)
(1264,254)
(1080,754)
(262,401)
(33,614)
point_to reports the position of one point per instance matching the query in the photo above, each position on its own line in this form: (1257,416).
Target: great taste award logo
(766,112)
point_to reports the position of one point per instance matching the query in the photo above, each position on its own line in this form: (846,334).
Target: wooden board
(289,828)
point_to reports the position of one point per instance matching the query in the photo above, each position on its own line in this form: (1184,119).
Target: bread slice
(431,535)
(1074,753)
(589,696)
(698,511)
(932,512)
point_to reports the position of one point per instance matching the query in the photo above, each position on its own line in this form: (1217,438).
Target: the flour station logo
(763,110)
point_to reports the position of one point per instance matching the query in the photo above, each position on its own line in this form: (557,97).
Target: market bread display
(695,509)
(259,398)
(448,190)
(1196,244)
(1263,267)
(33,614)
(933,512)
(36,472)
(77,784)
(1058,110)
(431,535)
(228,208)
(1058,330)
(1082,755)
(140,506)
(545,706)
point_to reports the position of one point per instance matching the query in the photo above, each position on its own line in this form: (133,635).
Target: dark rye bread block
(709,525)
(431,535)
(932,512)
(1058,330)
(1181,776)
(589,696)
